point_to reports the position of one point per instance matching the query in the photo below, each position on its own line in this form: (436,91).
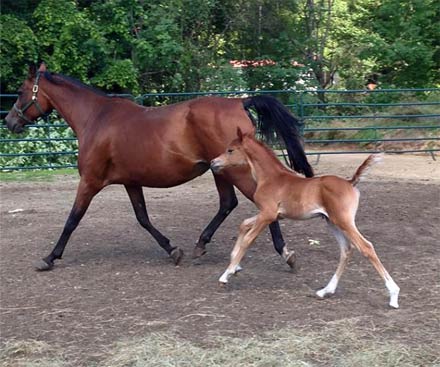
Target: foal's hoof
(176,255)
(198,252)
(42,265)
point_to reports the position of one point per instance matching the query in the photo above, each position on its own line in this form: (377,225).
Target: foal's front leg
(249,231)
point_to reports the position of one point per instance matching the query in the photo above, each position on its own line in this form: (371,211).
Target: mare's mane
(60,79)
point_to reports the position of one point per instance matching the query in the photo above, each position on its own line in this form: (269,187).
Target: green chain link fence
(334,122)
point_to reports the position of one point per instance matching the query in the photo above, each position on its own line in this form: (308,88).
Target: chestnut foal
(281,193)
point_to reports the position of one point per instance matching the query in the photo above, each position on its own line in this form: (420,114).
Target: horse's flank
(122,142)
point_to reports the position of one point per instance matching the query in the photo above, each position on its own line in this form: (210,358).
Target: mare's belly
(158,176)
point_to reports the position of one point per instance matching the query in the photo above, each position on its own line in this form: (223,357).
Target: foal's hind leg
(367,249)
(228,201)
(137,200)
(346,252)
(84,196)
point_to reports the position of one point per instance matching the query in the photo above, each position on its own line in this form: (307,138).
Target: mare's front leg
(228,201)
(249,231)
(137,200)
(84,196)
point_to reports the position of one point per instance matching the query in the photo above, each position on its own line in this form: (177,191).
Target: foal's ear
(42,68)
(239,134)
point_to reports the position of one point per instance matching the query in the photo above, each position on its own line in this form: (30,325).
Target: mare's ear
(32,71)
(42,68)
(239,134)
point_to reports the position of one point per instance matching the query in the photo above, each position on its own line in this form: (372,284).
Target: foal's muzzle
(216,165)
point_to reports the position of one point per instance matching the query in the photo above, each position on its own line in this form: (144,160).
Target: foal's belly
(298,212)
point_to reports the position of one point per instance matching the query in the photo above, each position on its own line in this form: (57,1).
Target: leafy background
(185,45)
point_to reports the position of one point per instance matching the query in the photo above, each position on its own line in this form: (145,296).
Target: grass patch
(336,345)
(37,175)
(29,353)
(341,344)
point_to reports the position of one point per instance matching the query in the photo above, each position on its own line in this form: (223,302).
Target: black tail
(274,116)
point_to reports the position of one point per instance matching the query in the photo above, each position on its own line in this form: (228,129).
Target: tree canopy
(138,46)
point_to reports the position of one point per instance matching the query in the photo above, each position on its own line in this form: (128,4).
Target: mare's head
(234,155)
(31,102)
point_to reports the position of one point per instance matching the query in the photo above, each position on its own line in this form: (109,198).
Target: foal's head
(234,155)
(30,104)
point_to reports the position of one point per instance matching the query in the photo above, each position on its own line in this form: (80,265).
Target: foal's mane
(269,152)
(60,79)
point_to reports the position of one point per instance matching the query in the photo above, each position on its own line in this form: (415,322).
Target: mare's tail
(364,167)
(274,116)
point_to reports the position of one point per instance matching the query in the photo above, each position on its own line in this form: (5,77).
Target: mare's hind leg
(137,200)
(228,201)
(280,245)
(346,252)
(84,196)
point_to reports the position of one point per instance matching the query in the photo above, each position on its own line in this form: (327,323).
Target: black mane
(60,79)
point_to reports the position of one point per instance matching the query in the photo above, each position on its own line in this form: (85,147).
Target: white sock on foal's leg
(225,276)
(330,288)
(394,290)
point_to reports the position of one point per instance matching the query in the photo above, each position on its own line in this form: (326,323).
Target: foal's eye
(230,150)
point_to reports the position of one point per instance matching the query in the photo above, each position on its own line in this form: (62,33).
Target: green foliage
(119,76)
(32,147)
(185,45)
(69,41)
(399,42)
(18,46)
(222,77)
(280,77)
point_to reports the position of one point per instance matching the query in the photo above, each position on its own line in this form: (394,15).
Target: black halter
(33,101)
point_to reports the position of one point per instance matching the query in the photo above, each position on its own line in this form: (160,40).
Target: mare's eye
(230,150)
(19,92)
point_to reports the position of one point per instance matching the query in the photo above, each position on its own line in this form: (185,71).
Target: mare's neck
(264,163)
(77,106)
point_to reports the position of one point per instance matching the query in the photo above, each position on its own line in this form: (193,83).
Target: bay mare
(121,142)
(281,193)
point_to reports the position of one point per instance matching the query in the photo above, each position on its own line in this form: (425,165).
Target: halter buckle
(35,89)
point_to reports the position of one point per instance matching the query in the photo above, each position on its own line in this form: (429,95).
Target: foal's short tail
(364,167)
(274,116)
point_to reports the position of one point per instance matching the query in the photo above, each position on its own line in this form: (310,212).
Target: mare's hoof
(42,265)
(177,255)
(291,261)
(198,252)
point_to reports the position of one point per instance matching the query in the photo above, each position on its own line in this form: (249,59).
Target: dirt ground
(115,282)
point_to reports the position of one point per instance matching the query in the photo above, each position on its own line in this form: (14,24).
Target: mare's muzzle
(13,123)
